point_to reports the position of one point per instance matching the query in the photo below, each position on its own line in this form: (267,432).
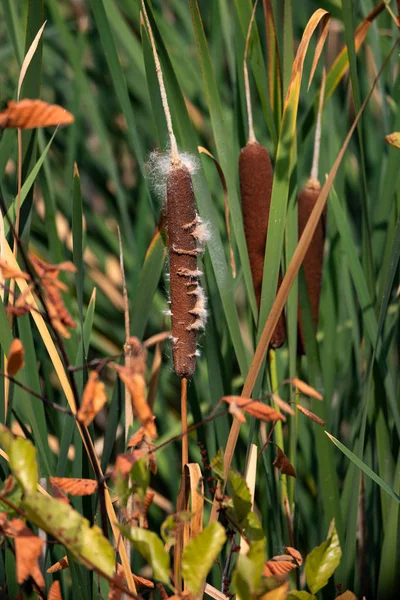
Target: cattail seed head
(256,177)
(188,304)
(313,260)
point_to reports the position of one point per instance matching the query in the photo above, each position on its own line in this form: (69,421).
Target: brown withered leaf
(9,272)
(8,486)
(125,462)
(48,275)
(282,463)
(279,565)
(60,565)
(28,548)
(140,581)
(137,438)
(295,554)
(93,399)
(284,406)
(236,411)
(256,409)
(136,386)
(75,487)
(18,311)
(306,389)
(310,415)
(15,360)
(30,114)
(55,591)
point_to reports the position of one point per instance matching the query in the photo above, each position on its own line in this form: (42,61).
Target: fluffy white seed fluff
(159,165)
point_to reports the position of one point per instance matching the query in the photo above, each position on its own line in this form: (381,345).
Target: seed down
(313,260)
(256,177)
(188,310)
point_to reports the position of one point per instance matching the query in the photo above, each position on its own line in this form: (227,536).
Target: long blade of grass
(364,467)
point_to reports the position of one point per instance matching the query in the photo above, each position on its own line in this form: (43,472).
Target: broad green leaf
(247,577)
(22,455)
(6,438)
(151,548)
(296,595)
(168,526)
(322,562)
(14,497)
(207,545)
(365,468)
(72,530)
(252,528)
(217,464)
(240,496)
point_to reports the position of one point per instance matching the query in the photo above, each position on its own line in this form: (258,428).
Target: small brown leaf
(9,272)
(125,462)
(295,554)
(136,386)
(283,405)
(282,463)
(9,484)
(75,487)
(55,591)
(236,412)
(28,548)
(93,399)
(310,415)
(30,114)
(15,357)
(279,565)
(137,438)
(60,565)
(256,409)
(306,389)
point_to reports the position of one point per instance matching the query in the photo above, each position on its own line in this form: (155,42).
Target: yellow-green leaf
(22,455)
(151,548)
(322,562)
(206,546)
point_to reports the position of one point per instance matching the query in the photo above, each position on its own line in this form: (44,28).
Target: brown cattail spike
(256,176)
(313,260)
(187,298)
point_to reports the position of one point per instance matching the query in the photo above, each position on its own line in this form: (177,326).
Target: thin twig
(252,137)
(61,409)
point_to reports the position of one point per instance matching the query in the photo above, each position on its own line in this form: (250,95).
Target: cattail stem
(252,137)
(318,130)
(175,159)
(185,441)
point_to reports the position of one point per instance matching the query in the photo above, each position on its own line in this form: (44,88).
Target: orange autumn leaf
(136,385)
(256,409)
(15,358)
(93,399)
(306,389)
(75,487)
(30,114)
(137,438)
(125,462)
(284,406)
(55,591)
(295,554)
(310,415)
(282,463)
(9,272)
(58,493)
(48,275)
(28,548)
(60,565)
(279,565)
(236,412)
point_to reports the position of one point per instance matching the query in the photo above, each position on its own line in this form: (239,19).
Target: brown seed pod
(256,176)
(187,298)
(313,260)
